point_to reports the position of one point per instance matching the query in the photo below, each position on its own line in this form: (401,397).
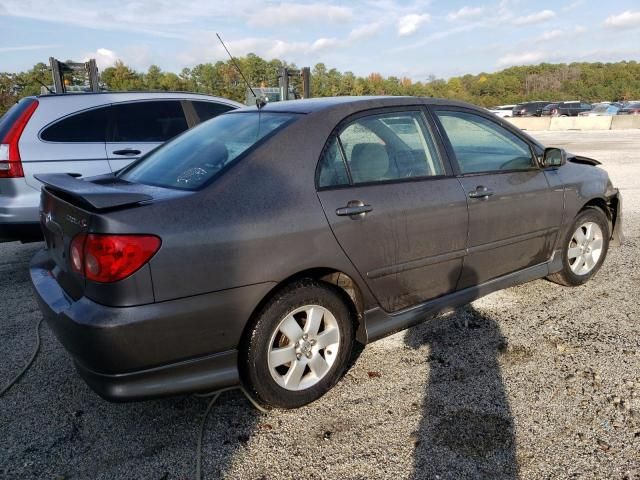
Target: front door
(514,214)
(394,206)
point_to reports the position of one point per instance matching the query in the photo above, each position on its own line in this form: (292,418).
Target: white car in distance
(502,110)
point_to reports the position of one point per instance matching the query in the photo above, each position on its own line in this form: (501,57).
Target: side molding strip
(379,324)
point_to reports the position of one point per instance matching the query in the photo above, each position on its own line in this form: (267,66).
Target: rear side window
(383,147)
(481,145)
(196,157)
(209,110)
(85,127)
(332,171)
(155,121)
(10,117)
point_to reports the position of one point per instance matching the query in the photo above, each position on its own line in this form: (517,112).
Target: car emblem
(82,222)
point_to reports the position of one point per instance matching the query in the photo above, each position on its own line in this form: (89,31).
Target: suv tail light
(10,162)
(110,258)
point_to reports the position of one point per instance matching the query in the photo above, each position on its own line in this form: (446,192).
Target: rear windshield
(9,118)
(195,157)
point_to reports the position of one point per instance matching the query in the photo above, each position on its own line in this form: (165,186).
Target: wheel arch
(343,283)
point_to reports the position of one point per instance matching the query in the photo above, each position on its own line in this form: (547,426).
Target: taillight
(110,258)
(10,162)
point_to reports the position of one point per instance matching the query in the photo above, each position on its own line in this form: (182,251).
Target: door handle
(127,151)
(481,192)
(354,209)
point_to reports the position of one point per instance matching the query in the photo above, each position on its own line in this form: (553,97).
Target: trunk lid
(70,206)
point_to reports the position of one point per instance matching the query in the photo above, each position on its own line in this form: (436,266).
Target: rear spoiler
(97,196)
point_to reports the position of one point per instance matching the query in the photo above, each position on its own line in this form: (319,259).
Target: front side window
(154,121)
(85,127)
(193,159)
(384,147)
(481,145)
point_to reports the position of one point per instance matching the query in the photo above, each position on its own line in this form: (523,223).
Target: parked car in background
(529,109)
(84,134)
(503,111)
(630,109)
(602,110)
(156,281)
(566,109)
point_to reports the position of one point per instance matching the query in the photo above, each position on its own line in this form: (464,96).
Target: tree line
(576,81)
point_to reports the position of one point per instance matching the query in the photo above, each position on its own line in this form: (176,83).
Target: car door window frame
(440,149)
(112,119)
(439,128)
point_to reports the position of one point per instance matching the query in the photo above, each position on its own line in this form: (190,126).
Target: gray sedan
(257,248)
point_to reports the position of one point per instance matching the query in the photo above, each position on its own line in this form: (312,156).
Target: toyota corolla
(256,248)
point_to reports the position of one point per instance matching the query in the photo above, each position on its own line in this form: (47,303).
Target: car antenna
(260,101)
(42,83)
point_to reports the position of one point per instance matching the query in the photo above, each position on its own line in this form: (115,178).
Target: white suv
(84,134)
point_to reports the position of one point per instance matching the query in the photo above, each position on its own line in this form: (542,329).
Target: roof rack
(58,69)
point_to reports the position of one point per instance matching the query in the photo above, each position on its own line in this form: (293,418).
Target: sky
(415,39)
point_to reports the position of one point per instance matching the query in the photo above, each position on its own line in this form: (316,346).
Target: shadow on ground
(467,429)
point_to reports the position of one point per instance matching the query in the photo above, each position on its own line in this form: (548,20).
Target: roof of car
(107,96)
(311,105)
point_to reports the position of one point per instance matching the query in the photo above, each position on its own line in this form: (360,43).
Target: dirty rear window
(194,158)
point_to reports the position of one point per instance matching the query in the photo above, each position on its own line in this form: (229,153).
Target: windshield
(601,108)
(195,157)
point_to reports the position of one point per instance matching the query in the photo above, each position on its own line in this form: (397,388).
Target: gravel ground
(537,381)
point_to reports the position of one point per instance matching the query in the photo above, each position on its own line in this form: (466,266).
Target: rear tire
(298,346)
(584,248)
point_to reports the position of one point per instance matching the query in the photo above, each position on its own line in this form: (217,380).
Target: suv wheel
(585,248)
(299,345)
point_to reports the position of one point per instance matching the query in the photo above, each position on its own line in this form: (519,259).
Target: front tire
(298,346)
(584,248)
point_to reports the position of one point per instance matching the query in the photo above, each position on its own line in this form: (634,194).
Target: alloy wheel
(303,347)
(585,248)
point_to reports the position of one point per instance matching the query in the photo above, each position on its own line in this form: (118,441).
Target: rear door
(394,206)
(138,127)
(514,214)
(73,144)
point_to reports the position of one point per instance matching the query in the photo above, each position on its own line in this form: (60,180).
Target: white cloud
(535,18)
(365,31)
(557,34)
(465,12)
(628,19)
(572,6)
(409,24)
(21,48)
(104,58)
(552,34)
(521,58)
(324,43)
(288,13)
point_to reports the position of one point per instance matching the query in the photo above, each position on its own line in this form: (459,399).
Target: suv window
(382,147)
(208,110)
(154,121)
(481,145)
(89,126)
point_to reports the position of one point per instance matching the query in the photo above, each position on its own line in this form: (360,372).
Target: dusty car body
(362,216)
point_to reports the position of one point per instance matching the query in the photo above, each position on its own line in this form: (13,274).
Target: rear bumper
(146,351)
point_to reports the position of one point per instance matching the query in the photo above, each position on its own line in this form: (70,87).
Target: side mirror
(554,157)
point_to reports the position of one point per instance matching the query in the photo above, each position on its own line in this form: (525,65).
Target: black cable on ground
(214,396)
(13,381)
